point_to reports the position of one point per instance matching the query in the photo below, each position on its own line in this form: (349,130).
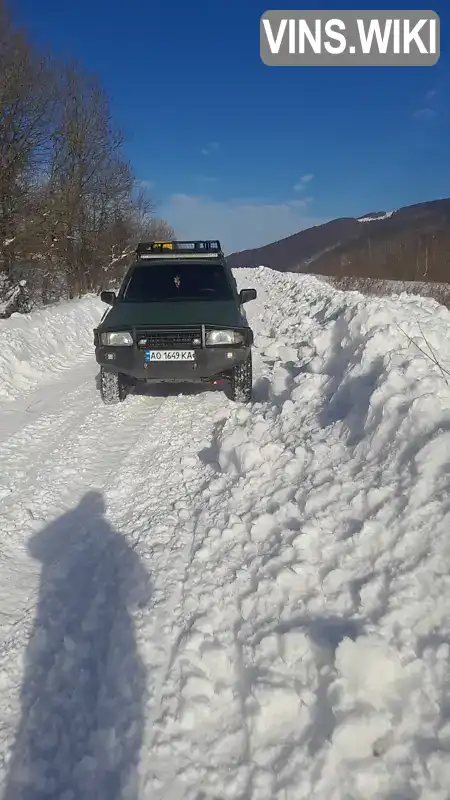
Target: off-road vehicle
(177,318)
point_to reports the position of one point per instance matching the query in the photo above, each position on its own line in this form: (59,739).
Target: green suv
(177,318)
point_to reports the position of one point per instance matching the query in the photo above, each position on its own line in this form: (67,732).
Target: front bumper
(209,363)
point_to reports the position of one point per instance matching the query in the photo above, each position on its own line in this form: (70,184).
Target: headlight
(224,337)
(116,339)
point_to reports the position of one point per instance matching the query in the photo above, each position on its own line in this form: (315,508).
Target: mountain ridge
(407,244)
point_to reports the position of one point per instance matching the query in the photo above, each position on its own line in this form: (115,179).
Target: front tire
(112,388)
(242,381)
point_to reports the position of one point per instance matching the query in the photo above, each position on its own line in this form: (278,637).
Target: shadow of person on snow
(82,693)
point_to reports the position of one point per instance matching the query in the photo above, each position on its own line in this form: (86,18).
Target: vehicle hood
(226,314)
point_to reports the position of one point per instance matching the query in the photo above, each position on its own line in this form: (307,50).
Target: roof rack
(177,249)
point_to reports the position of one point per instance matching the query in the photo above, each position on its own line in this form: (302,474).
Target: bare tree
(27,102)
(69,212)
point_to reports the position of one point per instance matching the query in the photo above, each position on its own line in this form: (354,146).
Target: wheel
(242,381)
(112,387)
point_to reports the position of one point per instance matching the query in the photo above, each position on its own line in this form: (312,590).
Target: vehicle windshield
(174,282)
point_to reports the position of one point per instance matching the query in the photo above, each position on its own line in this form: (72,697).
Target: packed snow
(206,601)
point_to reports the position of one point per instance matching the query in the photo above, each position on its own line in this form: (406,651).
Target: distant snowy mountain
(407,244)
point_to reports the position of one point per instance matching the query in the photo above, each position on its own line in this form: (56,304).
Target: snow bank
(298,636)
(320,579)
(33,347)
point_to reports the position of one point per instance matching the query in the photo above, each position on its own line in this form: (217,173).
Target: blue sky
(233,149)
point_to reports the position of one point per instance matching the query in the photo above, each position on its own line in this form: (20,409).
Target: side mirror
(108,297)
(246,295)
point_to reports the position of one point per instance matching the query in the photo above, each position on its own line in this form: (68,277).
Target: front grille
(169,339)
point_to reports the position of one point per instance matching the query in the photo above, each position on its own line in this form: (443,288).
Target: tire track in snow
(129,452)
(18,412)
(89,455)
(71,463)
(34,446)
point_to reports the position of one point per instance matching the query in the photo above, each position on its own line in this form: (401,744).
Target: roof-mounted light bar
(177,256)
(174,249)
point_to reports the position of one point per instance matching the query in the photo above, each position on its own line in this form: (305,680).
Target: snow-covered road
(202,601)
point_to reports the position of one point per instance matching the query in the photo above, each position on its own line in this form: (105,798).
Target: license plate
(169,355)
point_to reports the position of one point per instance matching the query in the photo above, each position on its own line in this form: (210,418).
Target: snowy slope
(375,217)
(200,600)
(35,346)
